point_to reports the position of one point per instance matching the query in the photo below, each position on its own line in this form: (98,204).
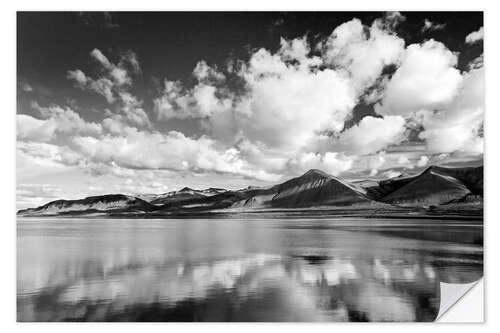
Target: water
(241,269)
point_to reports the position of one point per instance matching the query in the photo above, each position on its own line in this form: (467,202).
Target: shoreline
(291,214)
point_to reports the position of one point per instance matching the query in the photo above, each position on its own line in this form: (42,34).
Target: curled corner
(451,293)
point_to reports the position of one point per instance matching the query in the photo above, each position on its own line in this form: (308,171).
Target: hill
(96,204)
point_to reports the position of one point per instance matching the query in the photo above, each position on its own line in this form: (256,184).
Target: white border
(7,132)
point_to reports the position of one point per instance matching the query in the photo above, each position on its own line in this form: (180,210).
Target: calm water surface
(241,269)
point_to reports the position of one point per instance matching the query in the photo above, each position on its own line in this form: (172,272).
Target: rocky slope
(110,203)
(434,186)
(314,188)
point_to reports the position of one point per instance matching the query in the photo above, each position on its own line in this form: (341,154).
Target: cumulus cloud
(203,100)
(426,79)
(475,36)
(458,127)
(363,51)
(285,102)
(371,135)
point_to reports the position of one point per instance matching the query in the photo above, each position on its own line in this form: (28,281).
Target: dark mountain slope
(434,186)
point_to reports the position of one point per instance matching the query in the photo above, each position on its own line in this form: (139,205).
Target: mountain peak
(316,172)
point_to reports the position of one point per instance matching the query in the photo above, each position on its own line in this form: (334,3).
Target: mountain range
(436,188)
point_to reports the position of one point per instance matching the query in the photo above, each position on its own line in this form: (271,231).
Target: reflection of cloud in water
(335,287)
(170,275)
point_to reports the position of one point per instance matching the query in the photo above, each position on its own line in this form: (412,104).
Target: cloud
(422,161)
(26,87)
(101,58)
(330,162)
(133,111)
(286,99)
(371,135)
(391,20)
(115,78)
(78,76)
(362,51)
(33,195)
(203,72)
(458,127)
(56,120)
(426,79)
(102,86)
(405,162)
(30,128)
(475,36)
(274,115)
(108,21)
(203,100)
(288,104)
(48,154)
(171,151)
(432,26)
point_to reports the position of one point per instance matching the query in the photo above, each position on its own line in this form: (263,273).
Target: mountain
(177,196)
(454,188)
(97,204)
(314,188)
(434,186)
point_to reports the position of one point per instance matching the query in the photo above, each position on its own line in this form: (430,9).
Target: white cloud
(457,127)
(288,104)
(56,120)
(101,58)
(203,72)
(30,128)
(173,151)
(203,100)
(426,79)
(363,51)
(102,86)
(330,162)
(114,79)
(403,160)
(371,135)
(432,26)
(78,76)
(47,154)
(475,36)
(422,161)
(133,111)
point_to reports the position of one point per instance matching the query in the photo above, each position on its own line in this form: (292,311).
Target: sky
(150,102)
